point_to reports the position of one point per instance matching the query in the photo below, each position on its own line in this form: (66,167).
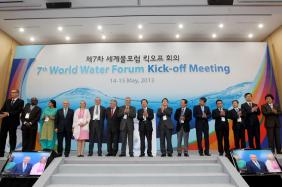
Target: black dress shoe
(150,155)
(131,155)
(179,154)
(100,154)
(90,154)
(201,154)
(59,155)
(169,154)
(207,154)
(279,152)
(122,155)
(142,155)
(109,154)
(66,155)
(186,154)
(163,155)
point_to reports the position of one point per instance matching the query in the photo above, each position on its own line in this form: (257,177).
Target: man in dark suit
(127,113)
(145,116)
(220,115)
(113,124)
(23,168)
(250,112)
(63,127)
(272,111)
(10,115)
(202,114)
(183,116)
(165,126)
(30,118)
(255,166)
(96,126)
(238,126)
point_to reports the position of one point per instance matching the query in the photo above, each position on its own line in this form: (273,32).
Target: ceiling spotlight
(214,35)
(221,25)
(140,36)
(104,37)
(140,26)
(32,39)
(67,38)
(250,35)
(180,26)
(21,29)
(260,25)
(99,27)
(177,36)
(60,28)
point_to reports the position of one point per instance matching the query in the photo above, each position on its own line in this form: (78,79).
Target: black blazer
(63,123)
(216,116)
(250,118)
(187,116)
(271,119)
(113,122)
(197,113)
(34,117)
(165,123)
(102,115)
(145,124)
(14,111)
(233,115)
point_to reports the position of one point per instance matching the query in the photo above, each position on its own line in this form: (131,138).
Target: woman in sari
(80,127)
(47,130)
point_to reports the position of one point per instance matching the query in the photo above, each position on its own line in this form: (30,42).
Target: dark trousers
(273,135)
(5,128)
(148,134)
(200,129)
(95,131)
(127,133)
(253,132)
(222,134)
(67,135)
(28,138)
(113,137)
(239,136)
(165,137)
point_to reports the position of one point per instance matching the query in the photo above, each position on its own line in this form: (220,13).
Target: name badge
(223,119)
(125,116)
(27,115)
(46,119)
(182,121)
(239,120)
(164,117)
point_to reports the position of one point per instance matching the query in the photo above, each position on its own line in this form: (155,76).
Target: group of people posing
(87,124)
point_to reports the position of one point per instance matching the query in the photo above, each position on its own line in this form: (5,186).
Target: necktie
(96,110)
(65,113)
(250,104)
(257,164)
(182,112)
(24,167)
(112,112)
(13,101)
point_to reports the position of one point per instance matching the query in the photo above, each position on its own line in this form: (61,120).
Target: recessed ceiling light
(21,29)
(140,26)
(99,27)
(177,36)
(140,36)
(32,39)
(214,35)
(60,28)
(67,38)
(180,26)
(260,25)
(221,25)
(104,37)
(250,35)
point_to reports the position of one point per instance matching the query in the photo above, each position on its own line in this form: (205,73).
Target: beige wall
(7,49)
(275,46)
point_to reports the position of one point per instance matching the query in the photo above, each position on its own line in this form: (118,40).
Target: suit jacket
(187,119)
(14,111)
(34,117)
(168,122)
(18,169)
(129,120)
(145,124)
(113,122)
(218,121)
(197,113)
(250,118)
(63,123)
(271,119)
(233,115)
(252,168)
(102,115)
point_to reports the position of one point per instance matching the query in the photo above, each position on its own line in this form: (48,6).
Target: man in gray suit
(165,127)
(271,112)
(127,113)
